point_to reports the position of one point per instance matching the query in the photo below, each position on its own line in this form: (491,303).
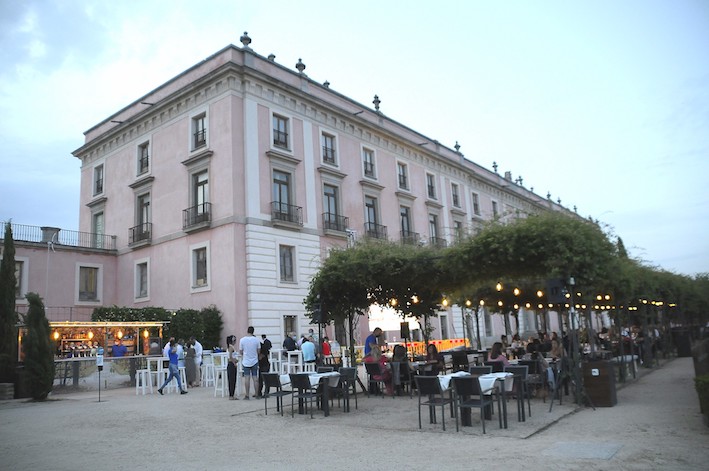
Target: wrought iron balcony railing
(335,222)
(196,215)
(140,233)
(286,213)
(410,238)
(374,230)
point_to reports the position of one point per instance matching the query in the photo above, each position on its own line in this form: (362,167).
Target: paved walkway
(656,425)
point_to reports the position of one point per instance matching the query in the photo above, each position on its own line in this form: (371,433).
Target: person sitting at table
(517,346)
(497,355)
(375,356)
(433,362)
(399,353)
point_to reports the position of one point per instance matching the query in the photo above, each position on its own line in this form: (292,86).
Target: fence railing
(57,236)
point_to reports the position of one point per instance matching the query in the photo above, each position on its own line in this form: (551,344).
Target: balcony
(197,217)
(328,155)
(438,242)
(410,238)
(200,138)
(286,215)
(334,222)
(140,235)
(375,231)
(61,237)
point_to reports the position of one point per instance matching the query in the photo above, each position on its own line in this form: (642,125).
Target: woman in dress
(190,365)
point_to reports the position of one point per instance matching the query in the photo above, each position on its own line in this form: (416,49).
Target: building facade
(229,184)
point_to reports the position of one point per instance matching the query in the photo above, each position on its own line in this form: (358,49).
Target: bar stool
(208,378)
(142,377)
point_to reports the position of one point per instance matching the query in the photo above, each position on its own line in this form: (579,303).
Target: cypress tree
(39,358)
(8,315)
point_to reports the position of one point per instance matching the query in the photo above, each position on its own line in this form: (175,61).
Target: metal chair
(430,387)
(302,390)
(480,370)
(469,395)
(520,372)
(272,380)
(325,369)
(496,366)
(347,386)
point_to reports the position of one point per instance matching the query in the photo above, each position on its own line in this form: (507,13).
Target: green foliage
(128,314)
(701,383)
(212,324)
(8,315)
(185,323)
(39,356)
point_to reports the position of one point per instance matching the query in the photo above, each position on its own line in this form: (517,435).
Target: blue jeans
(174,373)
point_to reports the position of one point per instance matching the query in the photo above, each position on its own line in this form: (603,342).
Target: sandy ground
(656,425)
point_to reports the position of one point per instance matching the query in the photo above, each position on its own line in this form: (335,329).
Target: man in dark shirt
(289,343)
(264,366)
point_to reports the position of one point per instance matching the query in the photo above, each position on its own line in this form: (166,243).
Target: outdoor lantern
(56,335)
(498,286)
(91,335)
(146,333)
(119,334)
(516,291)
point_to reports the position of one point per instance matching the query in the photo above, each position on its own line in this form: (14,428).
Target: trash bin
(599,382)
(683,342)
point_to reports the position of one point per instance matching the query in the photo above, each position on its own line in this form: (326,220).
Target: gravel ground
(655,425)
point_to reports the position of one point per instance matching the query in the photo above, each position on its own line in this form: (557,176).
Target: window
(290,324)
(199,131)
(142,229)
(89,283)
(458,228)
(19,271)
(98,179)
(456,195)
(403,173)
(370,210)
(97,229)
(281,191)
(200,191)
(331,212)
(433,227)
(285,257)
(328,149)
(495,210)
(405,214)
(476,204)
(141,279)
(143,158)
(280,131)
(444,326)
(431,186)
(200,267)
(368,161)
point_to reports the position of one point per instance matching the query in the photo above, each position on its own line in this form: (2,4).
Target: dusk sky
(602,104)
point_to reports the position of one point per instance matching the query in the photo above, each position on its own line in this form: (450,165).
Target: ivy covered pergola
(526,254)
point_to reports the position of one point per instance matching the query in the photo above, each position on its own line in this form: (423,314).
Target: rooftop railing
(57,236)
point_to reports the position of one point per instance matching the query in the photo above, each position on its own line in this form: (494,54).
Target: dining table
(504,382)
(326,381)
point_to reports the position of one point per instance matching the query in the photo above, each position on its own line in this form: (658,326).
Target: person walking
(263,364)
(174,371)
(249,348)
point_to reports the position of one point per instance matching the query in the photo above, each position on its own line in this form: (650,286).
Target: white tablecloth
(445,380)
(488,381)
(333,378)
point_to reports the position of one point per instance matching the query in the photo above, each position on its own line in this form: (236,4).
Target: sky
(603,104)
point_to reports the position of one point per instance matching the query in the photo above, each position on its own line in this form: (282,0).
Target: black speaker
(556,291)
(317,317)
(405,334)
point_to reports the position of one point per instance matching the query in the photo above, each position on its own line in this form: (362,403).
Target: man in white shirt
(198,356)
(249,349)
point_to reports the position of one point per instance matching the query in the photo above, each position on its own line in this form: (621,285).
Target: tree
(39,357)
(8,315)
(212,324)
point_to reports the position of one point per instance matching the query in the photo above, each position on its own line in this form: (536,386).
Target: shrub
(39,357)
(701,383)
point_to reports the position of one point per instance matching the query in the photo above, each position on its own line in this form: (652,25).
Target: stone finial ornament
(300,66)
(245,40)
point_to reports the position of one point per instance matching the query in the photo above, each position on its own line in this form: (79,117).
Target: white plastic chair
(143,381)
(208,378)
